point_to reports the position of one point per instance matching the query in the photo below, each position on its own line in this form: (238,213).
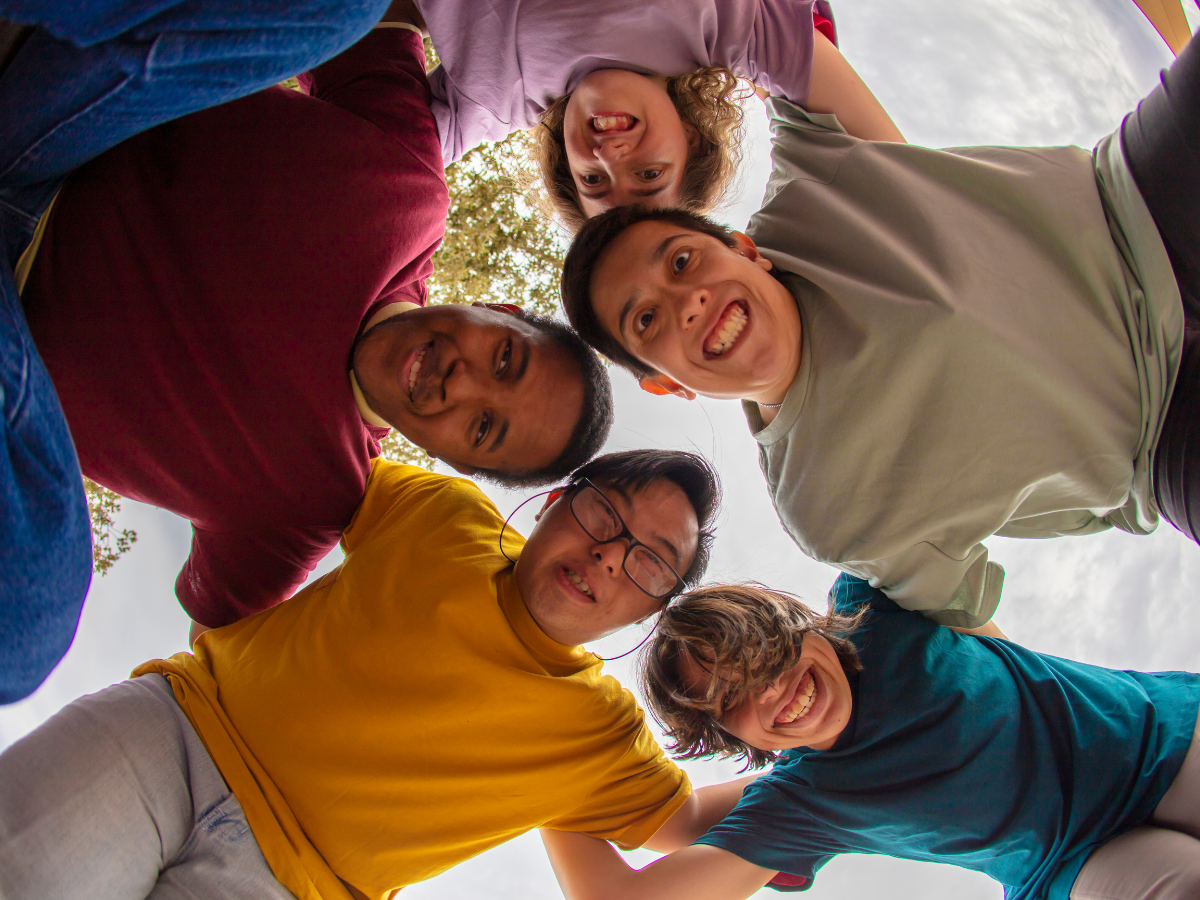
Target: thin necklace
(772,405)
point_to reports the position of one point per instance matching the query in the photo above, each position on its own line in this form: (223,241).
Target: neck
(771,398)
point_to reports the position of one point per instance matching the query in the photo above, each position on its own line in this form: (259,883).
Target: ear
(460,469)
(695,140)
(661,385)
(554,495)
(508,308)
(747,248)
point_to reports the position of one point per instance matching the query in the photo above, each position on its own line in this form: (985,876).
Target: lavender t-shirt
(504,61)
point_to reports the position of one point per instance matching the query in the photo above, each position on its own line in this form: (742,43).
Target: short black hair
(595,412)
(632,470)
(589,244)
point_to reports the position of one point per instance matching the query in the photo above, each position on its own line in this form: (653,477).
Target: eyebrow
(647,192)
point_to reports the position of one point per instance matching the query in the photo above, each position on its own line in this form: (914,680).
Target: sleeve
(462,123)
(768,831)
(781,53)
(382,79)
(959,592)
(634,798)
(231,575)
(402,491)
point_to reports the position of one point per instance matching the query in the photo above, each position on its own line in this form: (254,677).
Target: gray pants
(115,798)
(1158,861)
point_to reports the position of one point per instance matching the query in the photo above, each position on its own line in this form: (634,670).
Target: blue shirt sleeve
(767,830)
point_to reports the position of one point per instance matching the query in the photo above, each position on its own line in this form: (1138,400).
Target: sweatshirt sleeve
(382,79)
(959,592)
(779,58)
(231,575)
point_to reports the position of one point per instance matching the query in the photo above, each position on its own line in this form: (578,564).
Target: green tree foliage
(498,249)
(109,542)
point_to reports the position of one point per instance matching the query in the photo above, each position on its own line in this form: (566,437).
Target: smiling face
(625,141)
(575,587)
(807,706)
(709,316)
(477,388)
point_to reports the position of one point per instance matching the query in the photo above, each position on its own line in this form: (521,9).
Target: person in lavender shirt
(638,100)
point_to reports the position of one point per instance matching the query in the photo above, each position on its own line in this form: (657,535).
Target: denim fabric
(98,72)
(115,798)
(46,550)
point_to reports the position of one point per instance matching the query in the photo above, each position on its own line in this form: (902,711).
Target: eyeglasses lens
(649,572)
(596,515)
(645,568)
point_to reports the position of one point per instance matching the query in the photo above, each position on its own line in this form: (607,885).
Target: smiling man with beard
(202,293)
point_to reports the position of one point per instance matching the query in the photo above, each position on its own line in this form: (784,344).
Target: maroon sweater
(197,294)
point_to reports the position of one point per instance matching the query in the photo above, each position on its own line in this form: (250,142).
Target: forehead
(660,515)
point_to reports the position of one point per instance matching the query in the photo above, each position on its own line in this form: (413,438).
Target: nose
(611,149)
(692,303)
(463,383)
(611,556)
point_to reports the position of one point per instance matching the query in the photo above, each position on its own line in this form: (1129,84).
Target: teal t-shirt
(970,751)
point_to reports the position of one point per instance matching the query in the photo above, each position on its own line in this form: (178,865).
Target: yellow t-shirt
(405,712)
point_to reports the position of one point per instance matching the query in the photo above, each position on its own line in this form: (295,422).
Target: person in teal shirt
(891,734)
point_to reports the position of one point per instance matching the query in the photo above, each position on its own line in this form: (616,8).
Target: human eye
(680,260)
(650,174)
(505,358)
(643,320)
(591,179)
(481,432)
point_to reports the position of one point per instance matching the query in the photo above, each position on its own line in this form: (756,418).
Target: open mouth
(727,330)
(578,582)
(612,124)
(801,702)
(414,371)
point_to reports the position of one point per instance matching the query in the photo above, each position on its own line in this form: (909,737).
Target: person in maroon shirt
(230,307)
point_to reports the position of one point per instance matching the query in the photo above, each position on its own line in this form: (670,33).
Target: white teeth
(611,123)
(416,370)
(728,333)
(802,703)
(579,582)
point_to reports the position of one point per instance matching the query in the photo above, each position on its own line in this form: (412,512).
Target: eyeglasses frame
(573,490)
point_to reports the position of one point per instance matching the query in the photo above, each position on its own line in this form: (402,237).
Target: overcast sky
(951,72)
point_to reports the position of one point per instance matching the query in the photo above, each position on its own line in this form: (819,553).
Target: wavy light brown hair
(746,636)
(707,99)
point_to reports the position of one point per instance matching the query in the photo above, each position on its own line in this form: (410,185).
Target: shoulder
(851,595)
(422,500)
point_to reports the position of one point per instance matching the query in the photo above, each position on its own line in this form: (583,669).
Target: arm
(836,88)
(701,811)
(591,869)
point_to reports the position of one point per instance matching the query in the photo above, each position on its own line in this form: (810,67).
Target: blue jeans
(95,73)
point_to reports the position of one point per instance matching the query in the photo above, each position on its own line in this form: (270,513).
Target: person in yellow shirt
(423,702)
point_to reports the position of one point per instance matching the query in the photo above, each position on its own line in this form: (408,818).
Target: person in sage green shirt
(934,346)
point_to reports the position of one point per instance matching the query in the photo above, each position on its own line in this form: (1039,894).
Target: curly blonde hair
(745,636)
(708,100)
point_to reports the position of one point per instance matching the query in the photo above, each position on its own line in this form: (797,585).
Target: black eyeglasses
(603,524)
